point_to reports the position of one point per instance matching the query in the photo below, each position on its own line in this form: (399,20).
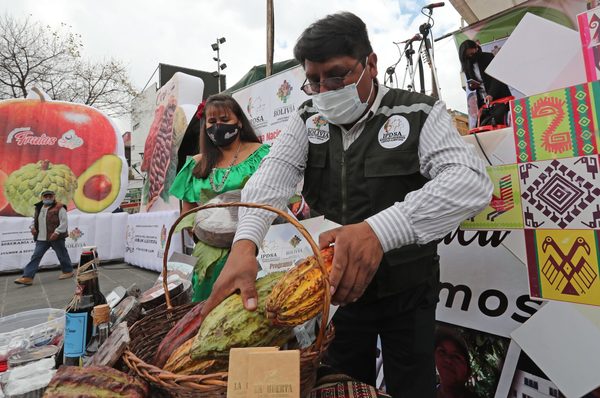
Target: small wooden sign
(274,374)
(237,385)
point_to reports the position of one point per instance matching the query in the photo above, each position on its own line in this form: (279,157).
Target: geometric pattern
(504,210)
(561,194)
(563,265)
(558,124)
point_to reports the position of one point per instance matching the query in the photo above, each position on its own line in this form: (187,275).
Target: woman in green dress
(230,152)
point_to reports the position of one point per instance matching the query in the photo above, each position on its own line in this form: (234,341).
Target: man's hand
(356,258)
(53,237)
(33,231)
(239,273)
(488,99)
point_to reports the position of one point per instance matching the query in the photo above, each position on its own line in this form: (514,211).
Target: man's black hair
(341,34)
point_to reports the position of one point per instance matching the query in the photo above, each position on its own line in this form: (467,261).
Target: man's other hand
(34,231)
(357,256)
(239,273)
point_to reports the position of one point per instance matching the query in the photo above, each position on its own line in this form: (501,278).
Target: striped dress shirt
(458,189)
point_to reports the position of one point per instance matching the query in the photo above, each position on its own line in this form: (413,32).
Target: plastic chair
(488,106)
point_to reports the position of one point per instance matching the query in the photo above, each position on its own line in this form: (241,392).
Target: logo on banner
(24,136)
(256,108)
(317,129)
(129,239)
(503,202)
(284,91)
(70,140)
(568,271)
(394,132)
(75,234)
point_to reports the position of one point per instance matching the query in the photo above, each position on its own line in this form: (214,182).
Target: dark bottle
(87,275)
(78,329)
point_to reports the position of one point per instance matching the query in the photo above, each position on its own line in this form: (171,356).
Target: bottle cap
(101,314)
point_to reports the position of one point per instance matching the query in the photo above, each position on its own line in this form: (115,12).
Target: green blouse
(199,190)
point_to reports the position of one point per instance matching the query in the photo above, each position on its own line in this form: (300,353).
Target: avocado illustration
(99,185)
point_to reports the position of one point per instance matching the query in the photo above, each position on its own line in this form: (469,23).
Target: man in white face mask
(389,167)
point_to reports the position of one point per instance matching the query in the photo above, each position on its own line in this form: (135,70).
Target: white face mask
(342,106)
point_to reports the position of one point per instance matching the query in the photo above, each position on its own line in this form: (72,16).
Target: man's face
(347,67)
(48,196)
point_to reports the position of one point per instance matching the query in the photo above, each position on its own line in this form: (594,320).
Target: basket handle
(287,217)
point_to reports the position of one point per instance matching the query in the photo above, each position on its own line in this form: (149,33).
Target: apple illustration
(97,187)
(60,132)
(66,133)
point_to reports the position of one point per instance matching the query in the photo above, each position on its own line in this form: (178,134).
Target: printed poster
(269,103)
(176,104)
(72,149)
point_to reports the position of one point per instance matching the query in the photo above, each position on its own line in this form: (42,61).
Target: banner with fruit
(70,148)
(176,103)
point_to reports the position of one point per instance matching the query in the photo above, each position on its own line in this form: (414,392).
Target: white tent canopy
(473,11)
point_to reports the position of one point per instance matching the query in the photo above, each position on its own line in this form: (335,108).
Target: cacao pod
(298,296)
(181,362)
(94,381)
(186,328)
(230,325)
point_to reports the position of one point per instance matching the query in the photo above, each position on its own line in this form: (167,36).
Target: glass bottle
(78,329)
(87,275)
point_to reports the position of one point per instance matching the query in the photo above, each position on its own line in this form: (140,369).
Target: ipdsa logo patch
(394,132)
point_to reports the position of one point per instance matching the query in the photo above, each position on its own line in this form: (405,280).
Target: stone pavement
(48,291)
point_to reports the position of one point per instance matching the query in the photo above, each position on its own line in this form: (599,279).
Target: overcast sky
(180,32)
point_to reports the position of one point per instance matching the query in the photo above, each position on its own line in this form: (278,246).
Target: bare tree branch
(32,54)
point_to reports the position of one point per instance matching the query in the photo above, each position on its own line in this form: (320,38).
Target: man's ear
(372,63)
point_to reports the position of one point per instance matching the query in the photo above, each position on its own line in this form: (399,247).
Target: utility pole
(270,37)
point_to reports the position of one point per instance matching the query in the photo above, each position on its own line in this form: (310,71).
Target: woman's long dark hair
(462,53)
(209,151)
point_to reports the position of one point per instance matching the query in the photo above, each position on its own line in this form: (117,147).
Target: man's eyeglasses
(330,83)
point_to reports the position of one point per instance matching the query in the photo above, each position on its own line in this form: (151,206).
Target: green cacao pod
(230,325)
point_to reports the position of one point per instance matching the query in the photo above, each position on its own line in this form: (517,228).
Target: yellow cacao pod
(298,296)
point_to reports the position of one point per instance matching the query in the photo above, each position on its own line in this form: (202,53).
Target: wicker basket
(147,333)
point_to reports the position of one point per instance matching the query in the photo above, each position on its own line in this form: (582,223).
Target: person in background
(452,364)
(230,152)
(49,230)
(474,62)
(389,167)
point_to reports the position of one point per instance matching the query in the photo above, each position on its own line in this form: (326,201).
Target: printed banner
(483,284)
(561,193)
(504,210)
(269,103)
(176,103)
(103,230)
(563,265)
(557,124)
(589,31)
(146,238)
(72,149)
(468,362)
